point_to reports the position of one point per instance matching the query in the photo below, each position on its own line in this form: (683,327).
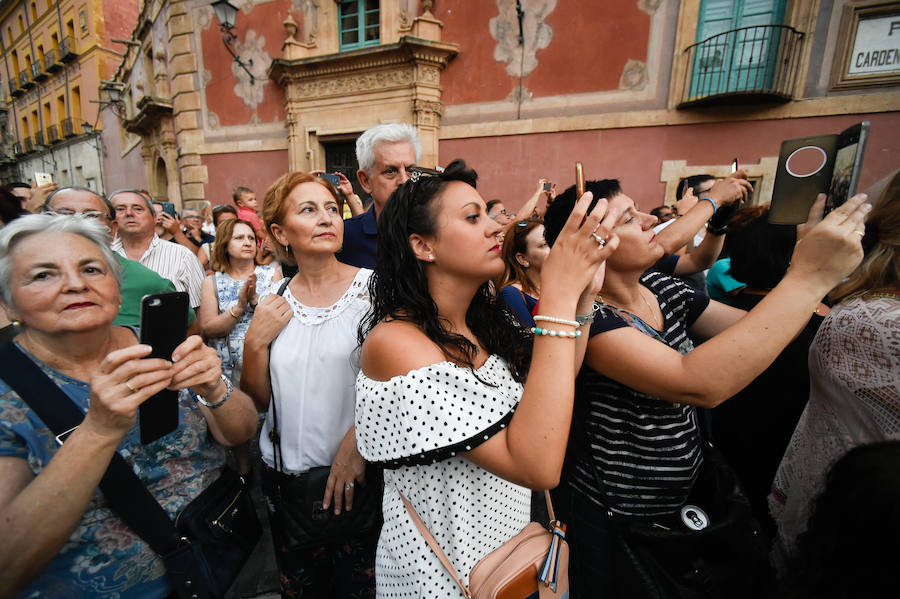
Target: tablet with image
(808,166)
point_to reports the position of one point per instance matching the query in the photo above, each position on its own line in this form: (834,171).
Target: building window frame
(841,79)
(356,23)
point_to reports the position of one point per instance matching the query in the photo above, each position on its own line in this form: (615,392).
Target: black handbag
(300,519)
(665,558)
(304,524)
(207,545)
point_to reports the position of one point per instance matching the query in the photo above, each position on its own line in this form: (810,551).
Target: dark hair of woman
(220,260)
(10,206)
(399,287)
(880,269)
(515,242)
(761,252)
(846,549)
(558,212)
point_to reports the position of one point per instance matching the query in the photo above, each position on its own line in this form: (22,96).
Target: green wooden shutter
(736,54)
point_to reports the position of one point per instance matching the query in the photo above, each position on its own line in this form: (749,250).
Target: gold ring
(130,388)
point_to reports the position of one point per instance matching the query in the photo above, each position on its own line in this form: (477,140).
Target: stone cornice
(408,51)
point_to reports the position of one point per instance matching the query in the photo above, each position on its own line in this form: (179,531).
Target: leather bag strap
(436,548)
(275,434)
(126,494)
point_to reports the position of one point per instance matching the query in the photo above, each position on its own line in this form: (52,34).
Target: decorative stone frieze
(348,92)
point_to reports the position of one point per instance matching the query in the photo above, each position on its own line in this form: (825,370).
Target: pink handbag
(532,564)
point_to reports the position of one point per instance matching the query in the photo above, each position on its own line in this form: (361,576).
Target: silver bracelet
(584,319)
(553,319)
(229,389)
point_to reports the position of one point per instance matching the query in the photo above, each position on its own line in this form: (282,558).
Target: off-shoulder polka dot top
(417,427)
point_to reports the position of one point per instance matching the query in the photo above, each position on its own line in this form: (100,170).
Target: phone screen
(169,208)
(333,179)
(734,165)
(847,164)
(163,327)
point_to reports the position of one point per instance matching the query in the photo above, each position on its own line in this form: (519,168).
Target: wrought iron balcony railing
(39,139)
(52,134)
(750,64)
(14,89)
(36,73)
(51,61)
(68,127)
(25,81)
(28,145)
(67,51)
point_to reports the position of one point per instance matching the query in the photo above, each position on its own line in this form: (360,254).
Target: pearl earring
(431,257)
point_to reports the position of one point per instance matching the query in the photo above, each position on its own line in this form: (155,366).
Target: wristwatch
(229,389)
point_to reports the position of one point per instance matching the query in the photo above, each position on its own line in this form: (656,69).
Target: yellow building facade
(55,55)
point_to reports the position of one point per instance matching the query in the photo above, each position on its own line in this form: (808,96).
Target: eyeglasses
(87,213)
(528,221)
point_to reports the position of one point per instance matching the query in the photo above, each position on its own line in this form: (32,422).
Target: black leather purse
(207,545)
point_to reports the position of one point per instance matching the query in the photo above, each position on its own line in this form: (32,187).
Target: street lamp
(226,13)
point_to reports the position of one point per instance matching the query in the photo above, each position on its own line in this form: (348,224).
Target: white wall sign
(876,48)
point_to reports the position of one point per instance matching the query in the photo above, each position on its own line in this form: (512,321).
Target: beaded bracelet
(551,333)
(710,200)
(553,319)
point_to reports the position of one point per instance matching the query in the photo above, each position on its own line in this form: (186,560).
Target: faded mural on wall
(521,59)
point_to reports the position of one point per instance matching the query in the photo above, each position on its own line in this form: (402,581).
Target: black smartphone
(163,327)
(684,187)
(848,157)
(169,208)
(548,186)
(734,165)
(579,180)
(333,179)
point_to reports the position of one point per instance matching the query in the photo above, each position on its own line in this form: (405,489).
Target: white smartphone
(42,178)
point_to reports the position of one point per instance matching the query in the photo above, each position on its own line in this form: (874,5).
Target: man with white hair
(385,154)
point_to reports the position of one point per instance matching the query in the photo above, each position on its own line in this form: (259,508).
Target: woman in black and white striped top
(635,445)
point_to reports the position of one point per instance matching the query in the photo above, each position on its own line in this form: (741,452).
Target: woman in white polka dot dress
(440,399)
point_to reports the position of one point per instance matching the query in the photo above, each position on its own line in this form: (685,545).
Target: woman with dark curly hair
(440,400)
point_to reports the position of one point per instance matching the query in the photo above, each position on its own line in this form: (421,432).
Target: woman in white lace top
(854,368)
(301,351)
(440,399)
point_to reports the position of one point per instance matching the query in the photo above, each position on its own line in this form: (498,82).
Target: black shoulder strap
(274,434)
(125,492)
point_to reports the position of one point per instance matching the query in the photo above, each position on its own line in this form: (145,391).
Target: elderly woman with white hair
(61,281)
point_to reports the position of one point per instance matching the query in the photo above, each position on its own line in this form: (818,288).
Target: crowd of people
(439,355)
